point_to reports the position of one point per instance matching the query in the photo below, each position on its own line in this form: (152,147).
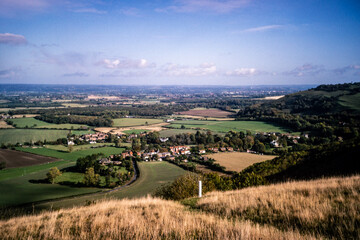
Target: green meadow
(225,126)
(14,136)
(71,156)
(34,123)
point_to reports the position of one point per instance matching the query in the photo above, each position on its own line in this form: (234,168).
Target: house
(223,149)
(274,143)
(230,149)
(70,143)
(164,139)
(202,151)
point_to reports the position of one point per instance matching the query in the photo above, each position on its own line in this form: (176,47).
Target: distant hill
(324,99)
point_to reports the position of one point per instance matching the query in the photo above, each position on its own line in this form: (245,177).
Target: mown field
(34,123)
(14,136)
(225,126)
(238,161)
(203,112)
(130,122)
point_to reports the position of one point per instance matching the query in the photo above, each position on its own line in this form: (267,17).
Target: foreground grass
(327,208)
(145,218)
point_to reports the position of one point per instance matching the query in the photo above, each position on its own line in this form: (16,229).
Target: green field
(73,156)
(225,126)
(14,136)
(172,132)
(136,131)
(29,122)
(20,190)
(130,122)
(78,147)
(351,101)
(34,123)
(152,176)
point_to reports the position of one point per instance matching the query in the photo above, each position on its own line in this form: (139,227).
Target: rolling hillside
(326,208)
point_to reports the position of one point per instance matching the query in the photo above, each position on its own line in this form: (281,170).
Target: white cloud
(126,63)
(355,69)
(243,72)
(181,70)
(89,10)
(305,70)
(217,6)
(263,28)
(9,38)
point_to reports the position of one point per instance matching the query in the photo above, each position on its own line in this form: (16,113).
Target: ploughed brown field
(238,161)
(22,159)
(207,113)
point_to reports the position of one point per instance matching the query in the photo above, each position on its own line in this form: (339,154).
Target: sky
(179,42)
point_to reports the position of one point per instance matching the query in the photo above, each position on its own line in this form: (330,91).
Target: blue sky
(187,42)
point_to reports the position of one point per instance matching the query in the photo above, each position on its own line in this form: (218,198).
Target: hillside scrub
(327,208)
(145,218)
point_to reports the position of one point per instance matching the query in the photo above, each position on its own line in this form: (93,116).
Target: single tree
(53,174)
(90,178)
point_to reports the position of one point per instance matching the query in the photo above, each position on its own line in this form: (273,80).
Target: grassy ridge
(326,208)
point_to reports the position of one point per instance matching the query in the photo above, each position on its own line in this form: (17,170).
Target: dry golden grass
(4,124)
(145,218)
(238,161)
(327,207)
(150,128)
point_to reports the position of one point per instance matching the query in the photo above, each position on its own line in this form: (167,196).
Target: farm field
(78,147)
(130,122)
(73,156)
(34,123)
(238,161)
(152,176)
(225,126)
(14,136)
(171,132)
(136,131)
(21,159)
(20,190)
(203,112)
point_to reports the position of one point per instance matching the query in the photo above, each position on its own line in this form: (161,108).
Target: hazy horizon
(179,42)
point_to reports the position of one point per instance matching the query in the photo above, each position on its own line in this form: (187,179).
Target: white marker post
(200,189)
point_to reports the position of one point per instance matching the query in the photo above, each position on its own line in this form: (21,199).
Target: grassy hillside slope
(326,208)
